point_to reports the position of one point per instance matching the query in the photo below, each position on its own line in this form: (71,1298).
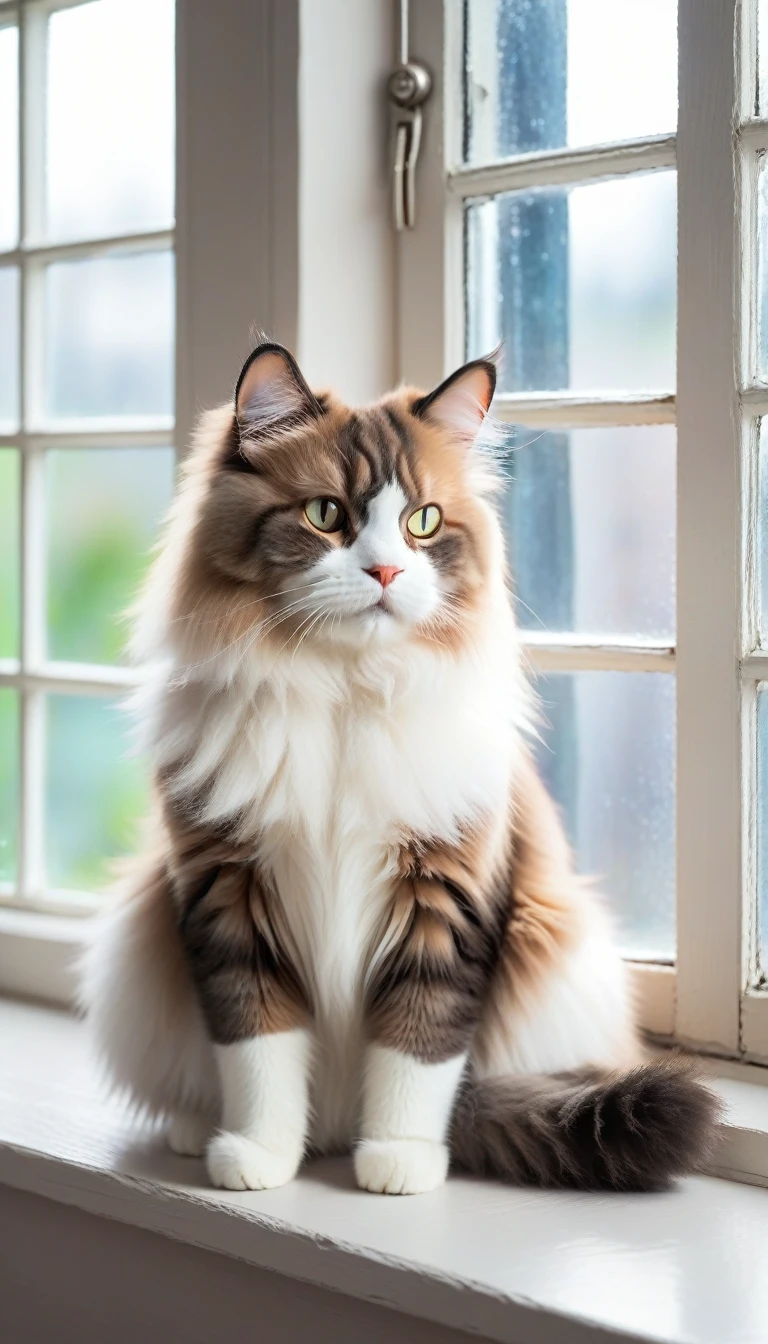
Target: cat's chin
(361,629)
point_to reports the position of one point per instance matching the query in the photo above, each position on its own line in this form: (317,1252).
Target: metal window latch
(408,87)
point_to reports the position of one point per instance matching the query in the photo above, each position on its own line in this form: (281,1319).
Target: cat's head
(304,520)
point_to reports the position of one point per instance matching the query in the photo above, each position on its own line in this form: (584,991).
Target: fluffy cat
(357,923)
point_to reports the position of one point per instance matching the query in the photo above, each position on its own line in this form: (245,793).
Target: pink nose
(384,573)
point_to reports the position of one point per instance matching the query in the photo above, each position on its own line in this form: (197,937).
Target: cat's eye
(326,515)
(424,522)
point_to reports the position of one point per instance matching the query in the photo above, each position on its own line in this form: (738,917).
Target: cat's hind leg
(143,1016)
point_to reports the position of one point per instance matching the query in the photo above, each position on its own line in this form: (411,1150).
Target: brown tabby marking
(428,993)
(228,917)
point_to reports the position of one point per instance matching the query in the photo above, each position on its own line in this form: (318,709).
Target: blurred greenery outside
(104,507)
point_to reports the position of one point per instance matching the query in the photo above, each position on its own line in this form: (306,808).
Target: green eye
(425,522)
(326,515)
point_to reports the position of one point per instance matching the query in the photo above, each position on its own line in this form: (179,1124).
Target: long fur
(359,892)
(590,1130)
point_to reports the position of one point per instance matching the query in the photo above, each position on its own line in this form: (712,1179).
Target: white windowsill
(507,1264)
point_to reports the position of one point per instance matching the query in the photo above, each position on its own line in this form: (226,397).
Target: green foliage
(103,512)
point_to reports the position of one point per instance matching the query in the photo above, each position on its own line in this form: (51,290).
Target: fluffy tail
(628,1131)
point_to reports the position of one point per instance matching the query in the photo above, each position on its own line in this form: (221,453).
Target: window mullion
(708,733)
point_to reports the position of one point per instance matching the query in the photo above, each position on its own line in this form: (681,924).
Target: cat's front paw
(400,1166)
(235,1162)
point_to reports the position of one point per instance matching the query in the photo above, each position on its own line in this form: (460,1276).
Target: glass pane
(761,99)
(762,534)
(104,507)
(95,793)
(109,334)
(579,284)
(9,137)
(543,74)
(590,516)
(9,783)
(9,349)
(112,172)
(608,756)
(762,271)
(762,831)
(9,553)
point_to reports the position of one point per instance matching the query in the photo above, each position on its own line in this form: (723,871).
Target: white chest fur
(329,772)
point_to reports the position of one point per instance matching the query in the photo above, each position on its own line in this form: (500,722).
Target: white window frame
(708,1000)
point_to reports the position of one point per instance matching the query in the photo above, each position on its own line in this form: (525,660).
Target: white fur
(401,1166)
(406,1111)
(580,1014)
(328,753)
(265,1100)
(405,1098)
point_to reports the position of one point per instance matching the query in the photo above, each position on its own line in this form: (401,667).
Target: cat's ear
(460,404)
(272,390)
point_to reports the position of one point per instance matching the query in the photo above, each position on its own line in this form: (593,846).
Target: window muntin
(86,423)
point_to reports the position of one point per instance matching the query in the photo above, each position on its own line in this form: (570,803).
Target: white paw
(188,1135)
(237,1163)
(400,1166)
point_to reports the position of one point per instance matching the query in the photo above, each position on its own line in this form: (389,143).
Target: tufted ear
(460,404)
(271,389)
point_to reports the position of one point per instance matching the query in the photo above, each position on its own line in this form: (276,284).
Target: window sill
(505,1264)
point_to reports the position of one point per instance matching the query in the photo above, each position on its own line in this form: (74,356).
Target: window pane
(762,535)
(9,553)
(104,507)
(762,831)
(579,284)
(95,793)
(762,271)
(110,118)
(590,516)
(109,331)
(543,74)
(608,756)
(761,100)
(9,137)
(9,782)
(9,349)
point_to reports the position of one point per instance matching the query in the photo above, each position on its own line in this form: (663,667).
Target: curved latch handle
(408,87)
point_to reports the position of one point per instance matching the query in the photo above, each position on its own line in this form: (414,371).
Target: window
(87,314)
(612,228)
(609,228)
